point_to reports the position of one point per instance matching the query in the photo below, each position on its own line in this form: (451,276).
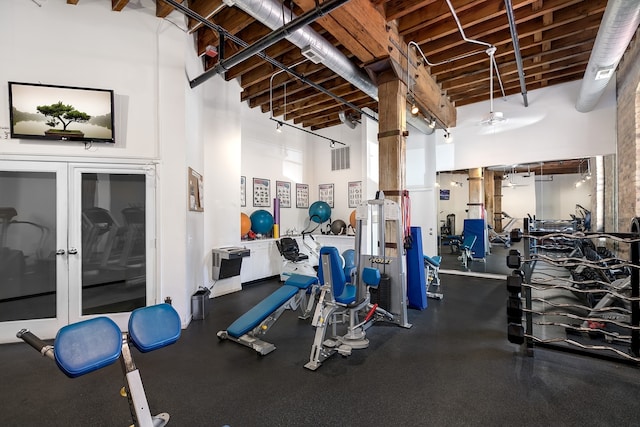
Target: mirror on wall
(563,191)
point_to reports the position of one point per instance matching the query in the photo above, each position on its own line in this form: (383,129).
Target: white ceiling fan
(494,117)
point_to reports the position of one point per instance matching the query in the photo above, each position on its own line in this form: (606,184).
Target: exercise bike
(92,344)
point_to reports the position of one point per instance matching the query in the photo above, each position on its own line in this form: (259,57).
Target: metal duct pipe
(269,40)
(274,15)
(619,24)
(516,49)
(223,33)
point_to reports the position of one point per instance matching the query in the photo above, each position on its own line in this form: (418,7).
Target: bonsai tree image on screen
(60,113)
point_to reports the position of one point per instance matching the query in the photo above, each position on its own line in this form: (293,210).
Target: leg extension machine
(92,344)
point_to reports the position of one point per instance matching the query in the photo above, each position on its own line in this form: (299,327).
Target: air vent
(340,158)
(313,54)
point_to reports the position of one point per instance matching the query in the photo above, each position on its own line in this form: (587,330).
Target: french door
(76,241)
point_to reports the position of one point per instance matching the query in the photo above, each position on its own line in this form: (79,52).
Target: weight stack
(382,295)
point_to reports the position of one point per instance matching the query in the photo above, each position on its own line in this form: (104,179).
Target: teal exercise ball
(261,221)
(320,212)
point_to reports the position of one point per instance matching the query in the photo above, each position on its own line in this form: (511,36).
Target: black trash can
(199,303)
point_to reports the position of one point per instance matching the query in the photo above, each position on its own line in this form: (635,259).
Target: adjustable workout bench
(257,321)
(92,344)
(432,270)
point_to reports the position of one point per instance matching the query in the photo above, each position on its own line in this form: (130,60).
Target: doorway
(76,241)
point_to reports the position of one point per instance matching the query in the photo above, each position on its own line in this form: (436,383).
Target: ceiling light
(279,127)
(447,137)
(432,123)
(414,109)
(332,144)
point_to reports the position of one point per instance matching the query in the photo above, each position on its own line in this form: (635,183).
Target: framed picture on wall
(196,191)
(325,193)
(302,196)
(355,193)
(261,192)
(283,193)
(243,191)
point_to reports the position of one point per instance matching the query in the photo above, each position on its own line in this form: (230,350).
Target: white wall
(550,128)
(557,199)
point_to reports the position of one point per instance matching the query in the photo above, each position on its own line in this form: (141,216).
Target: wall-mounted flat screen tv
(60,113)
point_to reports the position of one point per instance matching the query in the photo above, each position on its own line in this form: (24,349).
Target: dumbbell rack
(537,319)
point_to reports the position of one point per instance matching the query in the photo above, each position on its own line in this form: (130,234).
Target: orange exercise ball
(245,224)
(352,219)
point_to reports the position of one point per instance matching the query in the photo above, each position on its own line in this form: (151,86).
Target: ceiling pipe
(619,23)
(224,33)
(273,14)
(270,39)
(516,50)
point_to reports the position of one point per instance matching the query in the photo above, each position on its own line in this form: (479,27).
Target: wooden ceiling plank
(324,108)
(204,8)
(296,89)
(311,97)
(163,9)
(396,9)
(355,23)
(116,5)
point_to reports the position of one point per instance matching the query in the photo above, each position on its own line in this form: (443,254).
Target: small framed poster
(444,194)
(261,192)
(302,196)
(325,193)
(243,191)
(355,193)
(196,191)
(283,193)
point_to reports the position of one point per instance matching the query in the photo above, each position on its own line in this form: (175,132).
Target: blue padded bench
(434,261)
(154,327)
(264,308)
(86,346)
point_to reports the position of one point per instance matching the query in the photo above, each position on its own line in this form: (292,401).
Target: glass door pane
(33,234)
(113,242)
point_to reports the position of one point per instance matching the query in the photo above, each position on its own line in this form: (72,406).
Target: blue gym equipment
(256,322)
(423,279)
(261,221)
(89,345)
(375,290)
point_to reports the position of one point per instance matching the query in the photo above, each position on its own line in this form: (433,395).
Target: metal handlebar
(35,342)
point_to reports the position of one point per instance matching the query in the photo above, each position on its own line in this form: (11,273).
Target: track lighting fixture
(447,136)
(332,144)
(432,123)
(414,109)
(279,127)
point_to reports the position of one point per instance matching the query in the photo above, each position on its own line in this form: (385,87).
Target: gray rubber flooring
(454,367)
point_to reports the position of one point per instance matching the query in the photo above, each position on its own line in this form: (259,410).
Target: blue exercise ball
(320,212)
(261,221)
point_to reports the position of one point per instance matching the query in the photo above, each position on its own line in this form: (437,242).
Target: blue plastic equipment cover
(416,281)
(86,346)
(154,327)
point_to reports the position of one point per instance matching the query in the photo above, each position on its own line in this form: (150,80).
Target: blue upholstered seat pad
(348,294)
(433,260)
(86,346)
(371,276)
(154,327)
(264,308)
